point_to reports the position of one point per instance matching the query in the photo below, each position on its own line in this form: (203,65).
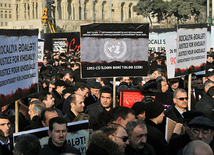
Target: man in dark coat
(6,144)
(77,106)
(111,141)
(93,95)
(175,112)
(178,142)
(137,132)
(154,116)
(106,99)
(57,92)
(57,143)
(206,104)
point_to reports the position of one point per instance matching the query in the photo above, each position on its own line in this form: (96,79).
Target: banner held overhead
(19,64)
(114,50)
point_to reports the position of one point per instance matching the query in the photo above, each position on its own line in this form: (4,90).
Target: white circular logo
(115,49)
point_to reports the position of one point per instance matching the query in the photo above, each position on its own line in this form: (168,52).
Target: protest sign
(157,38)
(40,50)
(191,49)
(129,97)
(19,64)
(59,45)
(114,49)
(73,40)
(77,136)
(171,55)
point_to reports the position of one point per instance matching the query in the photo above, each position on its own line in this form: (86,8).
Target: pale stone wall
(69,14)
(5,13)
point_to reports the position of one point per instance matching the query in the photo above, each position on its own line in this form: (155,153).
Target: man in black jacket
(137,132)
(57,143)
(175,112)
(154,116)
(77,106)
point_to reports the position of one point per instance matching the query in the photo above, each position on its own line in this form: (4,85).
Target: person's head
(57,130)
(123,115)
(47,99)
(209,59)
(117,134)
(180,99)
(157,72)
(201,128)
(106,97)
(82,89)
(164,85)
(77,103)
(137,132)
(207,85)
(95,87)
(197,147)
(174,83)
(139,109)
(155,111)
(194,81)
(47,114)
(210,74)
(51,86)
(27,144)
(60,85)
(36,108)
(126,79)
(69,78)
(211,50)
(4,125)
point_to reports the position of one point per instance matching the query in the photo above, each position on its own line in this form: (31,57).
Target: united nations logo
(115,49)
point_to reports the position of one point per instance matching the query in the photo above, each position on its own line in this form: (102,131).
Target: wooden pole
(189,91)
(114,92)
(16,117)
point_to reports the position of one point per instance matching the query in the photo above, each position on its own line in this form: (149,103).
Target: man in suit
(175,111)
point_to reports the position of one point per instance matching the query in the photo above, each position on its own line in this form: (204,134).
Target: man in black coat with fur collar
(111,141)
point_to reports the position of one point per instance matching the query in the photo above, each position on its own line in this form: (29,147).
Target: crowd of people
(64,97)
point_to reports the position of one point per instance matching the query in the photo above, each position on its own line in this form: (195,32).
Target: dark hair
(4,116)
(58,120)
(111,128)
(43,118)
(73,98)
(81,85)
(43,95)
(159,70)
(133,123)
(106,89)
(123,112)
(28,144)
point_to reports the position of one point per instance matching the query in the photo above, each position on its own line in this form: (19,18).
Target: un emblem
(115,49)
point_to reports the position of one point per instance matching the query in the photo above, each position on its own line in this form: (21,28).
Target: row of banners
(107,50)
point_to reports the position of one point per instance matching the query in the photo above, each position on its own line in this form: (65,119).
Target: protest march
(110,89)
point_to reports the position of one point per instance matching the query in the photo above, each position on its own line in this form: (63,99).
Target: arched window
(122,12)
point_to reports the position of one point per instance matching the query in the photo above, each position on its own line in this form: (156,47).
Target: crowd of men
(140,130)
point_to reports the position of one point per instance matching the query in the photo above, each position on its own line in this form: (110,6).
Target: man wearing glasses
(201,128)
(111,141)
(137,132)
(180,100)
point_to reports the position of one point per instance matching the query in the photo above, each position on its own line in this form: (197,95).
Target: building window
(5,15)
(1,15)
(9,11)
(5,23)
(2,24)
(0,4)
(5,4)
(9,5)
(31,26)
(9,15)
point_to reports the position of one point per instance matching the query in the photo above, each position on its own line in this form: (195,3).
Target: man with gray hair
(35,110)
(180,100)
(137,132)
(197,147)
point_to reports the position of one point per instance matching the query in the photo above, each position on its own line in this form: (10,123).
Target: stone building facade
(69,14)
(5,13)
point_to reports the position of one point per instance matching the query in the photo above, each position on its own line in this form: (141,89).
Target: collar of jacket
(102,140)
(60,149)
